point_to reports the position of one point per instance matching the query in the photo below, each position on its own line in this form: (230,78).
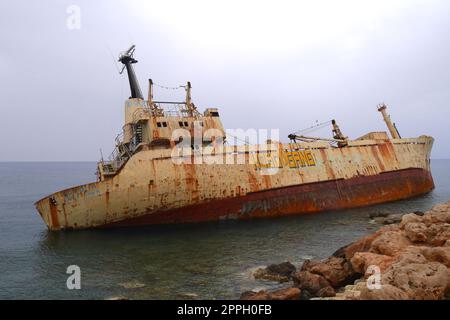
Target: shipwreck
(161,172)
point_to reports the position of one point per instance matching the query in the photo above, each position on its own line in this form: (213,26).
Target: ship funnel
(392,129)
(128,60)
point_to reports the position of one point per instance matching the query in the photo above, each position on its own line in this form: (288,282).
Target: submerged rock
(276,272)
(393,219)
(374,215)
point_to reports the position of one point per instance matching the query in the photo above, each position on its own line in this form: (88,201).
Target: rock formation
(408,260)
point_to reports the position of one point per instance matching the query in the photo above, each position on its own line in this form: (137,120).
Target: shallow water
(210,260)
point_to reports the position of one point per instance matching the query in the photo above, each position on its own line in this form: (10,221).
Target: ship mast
(127,59)
(387,119)
(191,108)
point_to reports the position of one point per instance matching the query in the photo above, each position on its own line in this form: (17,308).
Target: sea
(198,261)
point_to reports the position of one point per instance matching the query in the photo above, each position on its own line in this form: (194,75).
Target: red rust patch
(377,158)
(53,214)
(326,163)
(253,182)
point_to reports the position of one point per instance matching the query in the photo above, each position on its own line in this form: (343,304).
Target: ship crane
(338,136)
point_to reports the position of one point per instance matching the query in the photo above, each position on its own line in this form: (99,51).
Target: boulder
(438,214)
(391,219)
(362,260)
(410,217)
(276,272)
(373,215)
(438,234)
(310,282)
(438,254)
(443,207)
(337,271)
(386,292)
(390,243)
(284,269)
(416,231)
(364,243)
(420,281)
(251,295)
(326,292)
(285,294)
(419,213)
(411,254)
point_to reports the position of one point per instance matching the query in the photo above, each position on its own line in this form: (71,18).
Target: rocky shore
(406,259)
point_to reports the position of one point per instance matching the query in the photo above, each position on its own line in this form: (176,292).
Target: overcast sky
(273,64)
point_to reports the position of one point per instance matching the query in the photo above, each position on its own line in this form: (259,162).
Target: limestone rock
(386,292)
(438,234)
(421,281)
(362,260)
(363,244)
(286,294)
(337,271)
(438,254)
(310,282)
(409,218)
(326,292)
(416,231)
(251,295)
(390,243)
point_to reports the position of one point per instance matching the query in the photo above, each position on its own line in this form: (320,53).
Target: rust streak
(53,214)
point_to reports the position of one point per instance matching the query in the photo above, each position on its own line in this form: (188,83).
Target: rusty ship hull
(152,189)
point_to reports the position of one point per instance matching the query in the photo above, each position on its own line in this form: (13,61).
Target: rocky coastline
(408,258)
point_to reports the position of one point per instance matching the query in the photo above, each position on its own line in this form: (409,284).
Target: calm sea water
(204,261)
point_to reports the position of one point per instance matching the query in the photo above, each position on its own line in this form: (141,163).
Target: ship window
(186,124)
(158,124)
(164,124)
